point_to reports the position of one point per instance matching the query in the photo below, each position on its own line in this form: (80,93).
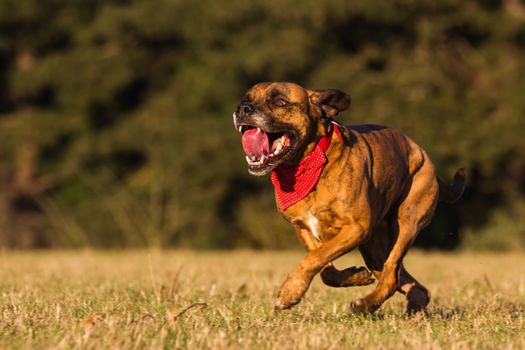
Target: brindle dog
(378,189)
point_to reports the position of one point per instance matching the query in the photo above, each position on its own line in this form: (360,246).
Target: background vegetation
(115,116)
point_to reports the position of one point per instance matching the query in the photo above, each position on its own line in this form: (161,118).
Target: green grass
(87,299)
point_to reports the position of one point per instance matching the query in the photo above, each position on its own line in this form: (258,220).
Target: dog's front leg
(330,275)
(299,280)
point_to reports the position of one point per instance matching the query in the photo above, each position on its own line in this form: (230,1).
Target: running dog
(342,187)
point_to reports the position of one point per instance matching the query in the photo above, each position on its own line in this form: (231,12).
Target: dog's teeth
(253,160)
(240,128)
(278,148)
(280,145)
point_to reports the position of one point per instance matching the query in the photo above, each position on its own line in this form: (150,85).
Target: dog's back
(390,157)
(391,145)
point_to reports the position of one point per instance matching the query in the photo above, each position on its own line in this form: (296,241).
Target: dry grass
(224,300)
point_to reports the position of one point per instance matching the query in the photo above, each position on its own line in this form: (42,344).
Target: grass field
(224,300)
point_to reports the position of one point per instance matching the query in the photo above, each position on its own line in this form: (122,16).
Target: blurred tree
(115,115)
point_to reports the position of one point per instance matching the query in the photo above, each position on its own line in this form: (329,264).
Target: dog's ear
(330,101)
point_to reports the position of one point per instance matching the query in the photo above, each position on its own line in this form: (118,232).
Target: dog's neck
(321,129)
(294,182)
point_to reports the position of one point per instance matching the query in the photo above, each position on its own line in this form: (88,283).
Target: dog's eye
(280,103)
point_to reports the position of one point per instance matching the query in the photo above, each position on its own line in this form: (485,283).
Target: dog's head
(278,121)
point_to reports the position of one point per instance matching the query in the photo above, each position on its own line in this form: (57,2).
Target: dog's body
(377,190)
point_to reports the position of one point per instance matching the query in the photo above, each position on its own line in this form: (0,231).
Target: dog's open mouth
(264,150)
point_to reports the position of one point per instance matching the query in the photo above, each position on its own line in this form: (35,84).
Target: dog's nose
(246,109)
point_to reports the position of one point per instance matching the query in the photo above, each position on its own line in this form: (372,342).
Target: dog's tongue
(255,143)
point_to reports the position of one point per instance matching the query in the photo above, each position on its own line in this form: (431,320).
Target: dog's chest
(313,226)
(322,225)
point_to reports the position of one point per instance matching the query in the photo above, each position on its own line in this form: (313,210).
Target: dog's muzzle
(265,148)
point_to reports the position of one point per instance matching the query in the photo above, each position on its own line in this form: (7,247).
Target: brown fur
(377,191)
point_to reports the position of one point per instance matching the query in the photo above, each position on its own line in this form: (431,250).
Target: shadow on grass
(445,314)
(435,313)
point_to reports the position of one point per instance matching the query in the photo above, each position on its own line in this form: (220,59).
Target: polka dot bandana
(294,182)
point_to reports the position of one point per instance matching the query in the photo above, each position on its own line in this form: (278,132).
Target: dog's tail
(449,193)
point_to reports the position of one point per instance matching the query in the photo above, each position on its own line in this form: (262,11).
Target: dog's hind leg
(414,212)
(417,295)
(375,252)
(376,248)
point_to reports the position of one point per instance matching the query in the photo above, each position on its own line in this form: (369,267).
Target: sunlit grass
(180,299)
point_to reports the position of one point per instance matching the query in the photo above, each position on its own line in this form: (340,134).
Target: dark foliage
(115,116)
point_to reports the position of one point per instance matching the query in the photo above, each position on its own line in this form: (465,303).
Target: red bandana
(294,182)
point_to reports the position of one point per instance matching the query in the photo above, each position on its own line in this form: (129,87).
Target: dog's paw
(359,276)
(418,299)
(349,277)
(285,303)
(360,307)
(281,305)
(291,291)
